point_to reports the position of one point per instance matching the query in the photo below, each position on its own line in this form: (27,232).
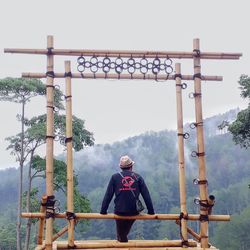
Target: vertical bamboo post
(49,138)
(41,221)
(182,181)
(70,184)
(200,143)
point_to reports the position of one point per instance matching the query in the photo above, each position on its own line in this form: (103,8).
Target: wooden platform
(130,245)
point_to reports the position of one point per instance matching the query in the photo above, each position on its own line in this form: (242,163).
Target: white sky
(115,110)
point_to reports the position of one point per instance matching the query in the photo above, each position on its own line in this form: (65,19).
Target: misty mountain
(156,159)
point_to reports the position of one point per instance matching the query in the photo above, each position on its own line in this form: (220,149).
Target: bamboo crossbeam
(122,76)
(191,232)
(126,53)
(129,244)
(191,217)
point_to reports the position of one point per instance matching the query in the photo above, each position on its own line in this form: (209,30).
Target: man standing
(127,186)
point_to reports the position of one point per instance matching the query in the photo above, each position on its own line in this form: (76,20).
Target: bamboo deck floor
(131,245)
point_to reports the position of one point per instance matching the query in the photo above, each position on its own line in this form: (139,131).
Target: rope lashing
(67,74)
(199,182)
(50,51)
(70,215)
(185,135)
(51,209)
(50,74)
(185,217)
(193,95)
(197,154)
(203,218)
(197,75)
(197,52)
(195,124)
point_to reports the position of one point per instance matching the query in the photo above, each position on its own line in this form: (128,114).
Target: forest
(155,156)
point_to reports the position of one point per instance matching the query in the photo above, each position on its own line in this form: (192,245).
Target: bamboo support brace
(191,217)
(122,76)
(111,244)
(127,53)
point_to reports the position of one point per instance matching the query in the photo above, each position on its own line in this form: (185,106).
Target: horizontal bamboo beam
(129,244)
(122,76)
(126,53)
(192,217)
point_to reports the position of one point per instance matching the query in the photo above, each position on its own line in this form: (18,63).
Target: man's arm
(107,197)
(146,196)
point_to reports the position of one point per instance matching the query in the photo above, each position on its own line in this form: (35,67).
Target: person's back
(127,186)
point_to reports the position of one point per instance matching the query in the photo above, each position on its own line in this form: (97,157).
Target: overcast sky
(114,110)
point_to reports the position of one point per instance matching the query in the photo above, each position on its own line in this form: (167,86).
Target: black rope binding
(178,75)
(50,207)
(50,51)
(185,217)
(50,136)
(195,124)
(70,215)
(197,75)
(198,52)
(68,139)
(50,86)
(197,154)
(67,74)
(185,135)
(203,217)
(50,74)
(67,97)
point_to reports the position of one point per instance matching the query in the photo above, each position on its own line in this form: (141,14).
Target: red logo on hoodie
(127,182)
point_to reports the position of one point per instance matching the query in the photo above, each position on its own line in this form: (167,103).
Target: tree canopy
(240,128)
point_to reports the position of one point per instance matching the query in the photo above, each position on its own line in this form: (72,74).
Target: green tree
(234,235)
(34,137)
(240,128)
(21,91)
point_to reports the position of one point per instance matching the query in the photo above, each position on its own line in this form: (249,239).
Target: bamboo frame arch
(206,202)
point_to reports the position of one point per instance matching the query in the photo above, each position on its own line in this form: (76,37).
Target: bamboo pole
(49,141)
(111,244)
(200,145)
(41,221)
(181,160)
(55,237)
(191,217)
(122,76)
(190,231)
(70,184)
(126,53)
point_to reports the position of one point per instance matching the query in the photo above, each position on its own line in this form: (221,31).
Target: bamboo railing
(80,216)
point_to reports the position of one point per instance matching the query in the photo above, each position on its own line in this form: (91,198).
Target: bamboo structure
(47,210)
(122,76)
(50,140)
(70,184)
(181,165)
(200,145)
(87,216)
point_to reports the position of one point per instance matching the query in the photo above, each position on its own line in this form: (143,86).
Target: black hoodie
(125,202)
